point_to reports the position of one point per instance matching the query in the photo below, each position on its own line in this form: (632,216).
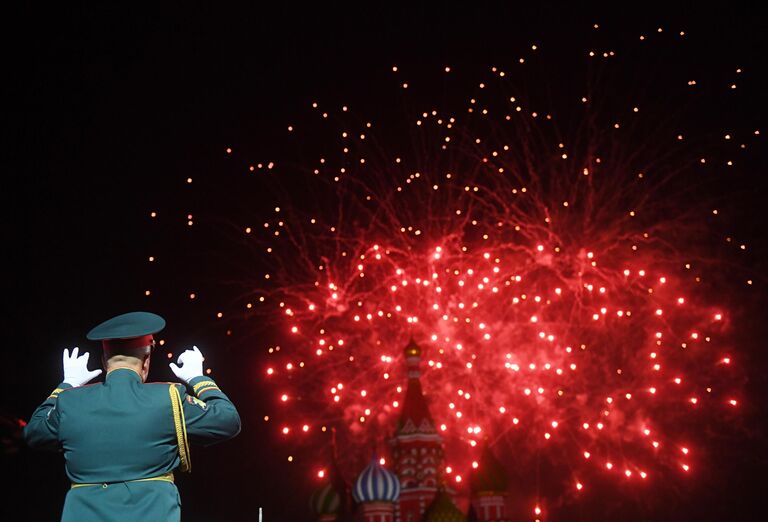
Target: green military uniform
(123,438)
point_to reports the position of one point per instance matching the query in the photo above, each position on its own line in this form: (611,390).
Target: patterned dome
(376,484)
(325,501)
(444,510)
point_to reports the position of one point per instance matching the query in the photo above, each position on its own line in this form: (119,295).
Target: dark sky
(108,107)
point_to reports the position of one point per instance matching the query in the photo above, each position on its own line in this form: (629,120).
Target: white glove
(191,362)
(76,368)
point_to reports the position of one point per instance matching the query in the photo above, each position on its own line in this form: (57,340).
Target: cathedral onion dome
(376,484)
(490,476)
(325,501)
(443,509)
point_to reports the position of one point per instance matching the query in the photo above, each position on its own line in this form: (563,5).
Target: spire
(417,448)
(488,485)
(415,416)
(413,359)
(490,477)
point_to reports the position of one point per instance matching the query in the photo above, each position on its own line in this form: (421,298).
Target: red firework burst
(563,286)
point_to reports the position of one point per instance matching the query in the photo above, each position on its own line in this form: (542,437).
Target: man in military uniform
(122,439)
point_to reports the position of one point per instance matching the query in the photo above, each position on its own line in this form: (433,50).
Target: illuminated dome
(444,510)
(325,501)
(376,484)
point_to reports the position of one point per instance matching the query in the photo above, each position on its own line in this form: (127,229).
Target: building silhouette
(414,490)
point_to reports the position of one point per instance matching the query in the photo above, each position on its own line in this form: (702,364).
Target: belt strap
(168,477)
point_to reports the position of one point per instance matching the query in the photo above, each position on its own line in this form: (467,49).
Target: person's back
(118,430)
(123,438)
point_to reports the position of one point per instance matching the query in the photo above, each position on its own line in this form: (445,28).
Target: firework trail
(554,261)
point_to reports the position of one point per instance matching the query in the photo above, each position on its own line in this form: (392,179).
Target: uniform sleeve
(42,430)
(209,414)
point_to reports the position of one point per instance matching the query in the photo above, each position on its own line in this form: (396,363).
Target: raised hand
(76,368)
(191,362)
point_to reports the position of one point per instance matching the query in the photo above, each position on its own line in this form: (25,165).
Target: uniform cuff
(202,384)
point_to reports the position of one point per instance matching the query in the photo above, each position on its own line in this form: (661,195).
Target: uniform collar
(123,374)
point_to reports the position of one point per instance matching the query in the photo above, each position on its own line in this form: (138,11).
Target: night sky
(109,109)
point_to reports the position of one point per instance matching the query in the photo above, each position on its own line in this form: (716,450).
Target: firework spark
(562,285)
